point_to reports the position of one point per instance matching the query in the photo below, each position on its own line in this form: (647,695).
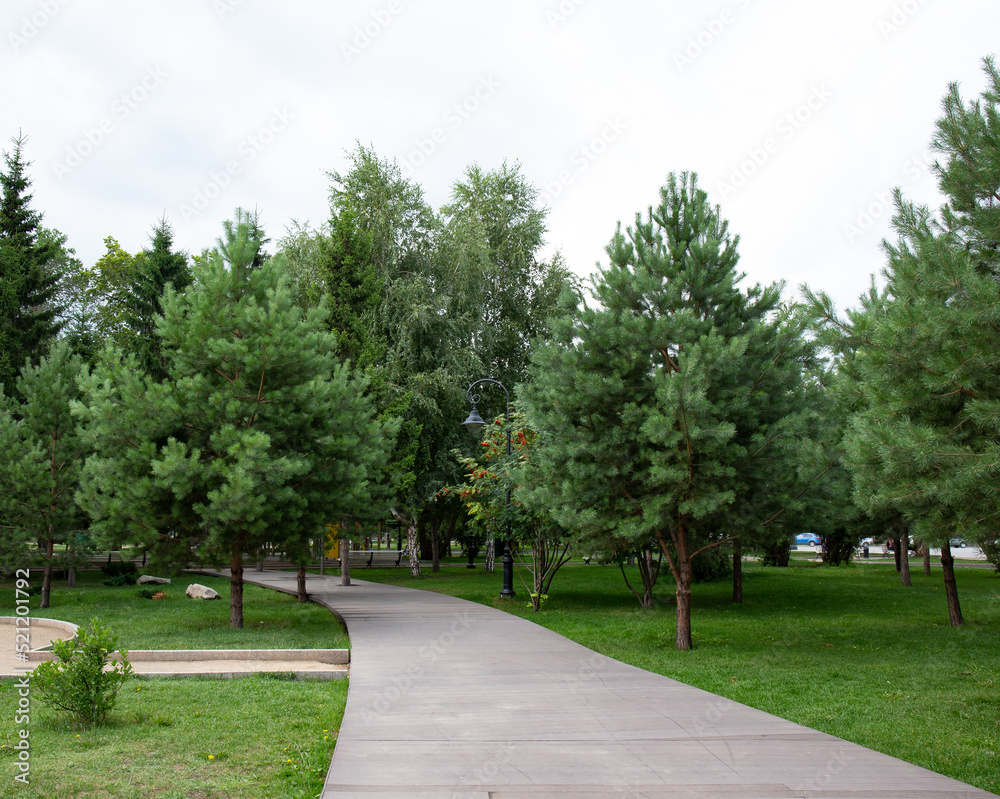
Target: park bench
(375,557)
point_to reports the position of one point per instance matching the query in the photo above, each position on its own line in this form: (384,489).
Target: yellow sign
(333,540)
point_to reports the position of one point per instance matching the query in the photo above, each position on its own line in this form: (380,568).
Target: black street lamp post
(475,424)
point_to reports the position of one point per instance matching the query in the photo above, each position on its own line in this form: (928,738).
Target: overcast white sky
(799,117)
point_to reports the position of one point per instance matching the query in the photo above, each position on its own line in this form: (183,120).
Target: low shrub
(79,680)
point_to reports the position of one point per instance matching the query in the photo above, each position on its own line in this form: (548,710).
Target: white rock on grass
(198,591)
(148,579)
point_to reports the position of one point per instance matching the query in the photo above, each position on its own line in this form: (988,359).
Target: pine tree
(41,458)
(925,443)
(257,434)
(658,406)
(28,273)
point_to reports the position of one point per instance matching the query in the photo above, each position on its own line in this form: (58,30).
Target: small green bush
(79,680)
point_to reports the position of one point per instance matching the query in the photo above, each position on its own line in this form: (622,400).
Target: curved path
(454,700)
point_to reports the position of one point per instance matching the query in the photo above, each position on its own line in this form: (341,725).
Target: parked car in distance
(958,542)
(810,539)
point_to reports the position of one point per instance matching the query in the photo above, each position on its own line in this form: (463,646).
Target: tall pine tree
(926,443)
(41,458)
(663,407)
(257,434)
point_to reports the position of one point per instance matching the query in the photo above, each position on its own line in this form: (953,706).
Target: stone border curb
(339,657)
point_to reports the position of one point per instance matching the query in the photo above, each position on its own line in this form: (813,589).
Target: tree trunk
(451,531)
(236,589)
(649,573)
(435,545)
(300,584)
(737,570)
(927,559)
(491,556)
(898,528)
(411,539)
(47,574)
(538,567)
(950,586)
(71,577)
(411,548)
(680,568)
(345,561)
(46,585)
(684,603)
(904,557)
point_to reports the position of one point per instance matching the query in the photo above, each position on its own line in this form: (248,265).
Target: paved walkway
(453,700)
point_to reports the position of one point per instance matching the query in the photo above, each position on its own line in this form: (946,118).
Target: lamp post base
(507,591)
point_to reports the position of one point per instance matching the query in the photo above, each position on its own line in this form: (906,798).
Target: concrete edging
(338,657)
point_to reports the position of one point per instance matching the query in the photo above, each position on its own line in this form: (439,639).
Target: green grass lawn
(271,620)
(844,650)
(258,737)
(249,738)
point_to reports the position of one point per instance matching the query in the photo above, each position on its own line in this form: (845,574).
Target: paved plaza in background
(453,700)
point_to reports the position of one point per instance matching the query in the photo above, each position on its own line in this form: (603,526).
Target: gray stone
(148,579)
(199,591)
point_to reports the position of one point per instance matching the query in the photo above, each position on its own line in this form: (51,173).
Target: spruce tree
(158,267)
(28,273)
(661,406)
(256,434)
